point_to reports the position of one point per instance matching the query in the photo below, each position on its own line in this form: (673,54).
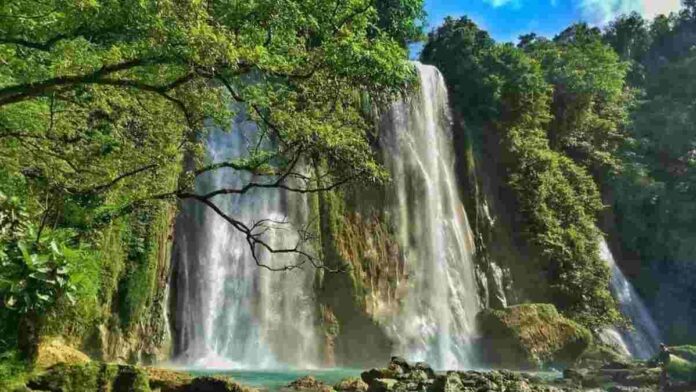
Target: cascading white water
(641,341)
(230,312)
(436,321)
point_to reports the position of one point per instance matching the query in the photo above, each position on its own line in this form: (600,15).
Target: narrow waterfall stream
(437,318)
(230,312)
(643,340)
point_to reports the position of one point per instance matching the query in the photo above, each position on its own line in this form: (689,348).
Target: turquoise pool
(274,380)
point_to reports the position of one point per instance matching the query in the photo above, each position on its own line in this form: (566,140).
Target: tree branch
(103,187)
(255,241)
(20,92)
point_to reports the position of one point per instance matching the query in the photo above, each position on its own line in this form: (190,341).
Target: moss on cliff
(531,335)
(376,263)
(355,245)
(117,313)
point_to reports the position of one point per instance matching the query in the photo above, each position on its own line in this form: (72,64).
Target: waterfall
(229,312)
(437,318)
(641,341)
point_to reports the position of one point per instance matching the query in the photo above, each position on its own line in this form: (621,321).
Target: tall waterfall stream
(437,318)
(232,313)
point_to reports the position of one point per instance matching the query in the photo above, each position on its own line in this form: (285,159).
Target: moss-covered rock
(54,351)
(599,355)
(402,377)
(682,370)
(215,384)
(103,377)
(308,384)
(91,377)
(351,385)
(684,352)
(164,380)
(530,336)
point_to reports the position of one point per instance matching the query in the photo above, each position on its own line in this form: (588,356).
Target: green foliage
(13,370)
(590,101)
(656,191)
(681,369)
(556,199)
(404,20)
(456,48)
(35,271)
(101,100)
(136,286)
(629,36)
(685,352)
(533,335)
(92,83)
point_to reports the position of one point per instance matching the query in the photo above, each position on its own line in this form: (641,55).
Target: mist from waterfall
(642,341)
(230,313)
(437,318)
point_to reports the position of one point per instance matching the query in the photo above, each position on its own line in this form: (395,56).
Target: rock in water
(351,385)
(421,378)
(399,363)
(308,383)
(424,367)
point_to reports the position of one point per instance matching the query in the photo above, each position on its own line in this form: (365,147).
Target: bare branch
(255,241)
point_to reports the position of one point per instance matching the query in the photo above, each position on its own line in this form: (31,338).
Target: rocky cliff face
(121,316)
(360,243)
(146,338)
(505,274)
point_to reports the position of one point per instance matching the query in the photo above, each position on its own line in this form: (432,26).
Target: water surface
(274,380)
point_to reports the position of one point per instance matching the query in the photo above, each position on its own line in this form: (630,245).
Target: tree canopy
(105,108)
(99,98)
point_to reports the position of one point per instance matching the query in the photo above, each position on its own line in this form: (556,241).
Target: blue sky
(507,19)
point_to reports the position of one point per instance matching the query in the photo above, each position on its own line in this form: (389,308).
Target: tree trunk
(28,336)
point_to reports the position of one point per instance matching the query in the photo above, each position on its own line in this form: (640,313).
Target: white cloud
(501,3)
(652,8)
(603,11)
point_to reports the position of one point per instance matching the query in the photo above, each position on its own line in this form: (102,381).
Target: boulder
(687,353)
(308,383)
(383,385)
(166,380)
(422,366)
(421,378)
(214,384)
(399,365)
(680,369)
(369,376)
(600,355)
(530,336)
(96,376)
(53,351)
(351,385)
(91,376)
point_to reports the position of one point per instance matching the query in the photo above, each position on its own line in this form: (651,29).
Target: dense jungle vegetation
(588,122)
(105,106)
